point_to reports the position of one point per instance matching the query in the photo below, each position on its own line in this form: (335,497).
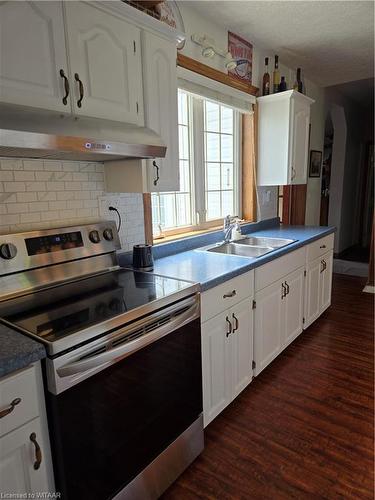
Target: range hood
(38,134)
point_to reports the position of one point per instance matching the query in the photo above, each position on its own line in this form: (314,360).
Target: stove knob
(8,251)
(108,234)
(94,236)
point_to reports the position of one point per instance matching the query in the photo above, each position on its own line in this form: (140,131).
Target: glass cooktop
(54,313)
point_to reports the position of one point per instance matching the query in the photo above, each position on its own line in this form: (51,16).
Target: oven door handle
(117,353)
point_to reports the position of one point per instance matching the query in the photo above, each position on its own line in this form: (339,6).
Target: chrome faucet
(229,223)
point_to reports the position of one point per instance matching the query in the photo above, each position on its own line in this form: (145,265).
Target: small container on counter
(142,258)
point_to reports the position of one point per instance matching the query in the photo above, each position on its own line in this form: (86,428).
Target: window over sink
(209,162)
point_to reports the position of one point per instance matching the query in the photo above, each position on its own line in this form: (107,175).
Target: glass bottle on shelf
(266,79)
(276,76)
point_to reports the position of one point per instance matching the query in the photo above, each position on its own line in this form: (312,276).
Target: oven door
(136,394)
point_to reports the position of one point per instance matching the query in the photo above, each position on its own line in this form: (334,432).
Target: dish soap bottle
(236,232)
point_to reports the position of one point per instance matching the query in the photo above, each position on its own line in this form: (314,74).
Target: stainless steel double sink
(249,246)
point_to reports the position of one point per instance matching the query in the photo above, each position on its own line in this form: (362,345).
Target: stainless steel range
(123,367)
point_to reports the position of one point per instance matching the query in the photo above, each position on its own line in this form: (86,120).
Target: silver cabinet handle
(287,288)
(233,293)
(283,291)
(237,324)
(13,404)
(230,328)
(322,266)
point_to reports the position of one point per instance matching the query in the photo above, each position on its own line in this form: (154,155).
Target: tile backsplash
(37,194)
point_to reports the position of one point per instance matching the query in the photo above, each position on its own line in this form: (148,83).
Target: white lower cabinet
(278,317)
(22,462)
(318,287)
(227,356)
(25,458)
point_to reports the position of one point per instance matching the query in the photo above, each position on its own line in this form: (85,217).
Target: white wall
(36,194)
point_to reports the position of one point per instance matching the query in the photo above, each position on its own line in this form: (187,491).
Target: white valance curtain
(206,88)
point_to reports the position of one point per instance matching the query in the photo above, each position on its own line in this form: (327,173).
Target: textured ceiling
(333,41)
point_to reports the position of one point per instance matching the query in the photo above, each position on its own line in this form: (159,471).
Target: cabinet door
(312,291)
(160,104)
(293,306)
(17,458)
(299,142)
(104,53)
(326,281)
(216,366)
(267,325)
(32,54)
(241,339)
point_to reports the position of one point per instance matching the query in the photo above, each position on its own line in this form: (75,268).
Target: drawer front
(21,386)
(226,295)
(278,268)
(320,247)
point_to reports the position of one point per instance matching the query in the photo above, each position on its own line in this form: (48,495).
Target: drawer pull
(323,246)
(230,329)
(81,89)
(13,404)
(287,288)
(236,323)
(233,293)
(322,266)
(66,87)
(38,451)
(283,291)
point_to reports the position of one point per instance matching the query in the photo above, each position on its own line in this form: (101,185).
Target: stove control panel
(24,251)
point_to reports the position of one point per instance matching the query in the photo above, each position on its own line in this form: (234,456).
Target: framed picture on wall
(315,163)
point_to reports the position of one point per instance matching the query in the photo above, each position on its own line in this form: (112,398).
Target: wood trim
(147,213)
(294,204)
(249,196)
(202,69)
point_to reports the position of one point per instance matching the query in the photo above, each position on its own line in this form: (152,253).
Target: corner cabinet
(32,55)
(283,138)
(160,98)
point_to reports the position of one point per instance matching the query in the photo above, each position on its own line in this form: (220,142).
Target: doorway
(326,171)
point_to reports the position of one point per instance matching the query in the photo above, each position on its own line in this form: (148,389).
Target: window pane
(167,210)
(183,209)
(213,205)
(226,120)
(183,144)
(212,116)
(184,176)
(227,148)
(227,176)
(182,108)
(213,176)
(212,147)
(227,203)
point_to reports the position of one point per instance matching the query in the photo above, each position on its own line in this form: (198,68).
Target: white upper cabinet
(283,138)
(32,55)
(160,98)
(105,64)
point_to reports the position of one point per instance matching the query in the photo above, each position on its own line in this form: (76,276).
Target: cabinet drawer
(21,385)
(227,294)
(320,247)
(278,268)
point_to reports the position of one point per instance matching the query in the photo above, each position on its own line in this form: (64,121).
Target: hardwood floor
(304,426)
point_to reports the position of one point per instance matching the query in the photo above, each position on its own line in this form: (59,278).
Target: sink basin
(241,250)
(265,242)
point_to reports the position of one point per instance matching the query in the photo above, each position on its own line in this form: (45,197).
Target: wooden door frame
(294,204)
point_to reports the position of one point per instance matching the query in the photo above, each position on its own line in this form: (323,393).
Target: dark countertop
(210,269)
(17,351)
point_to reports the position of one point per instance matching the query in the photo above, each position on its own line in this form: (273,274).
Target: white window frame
(197,174)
